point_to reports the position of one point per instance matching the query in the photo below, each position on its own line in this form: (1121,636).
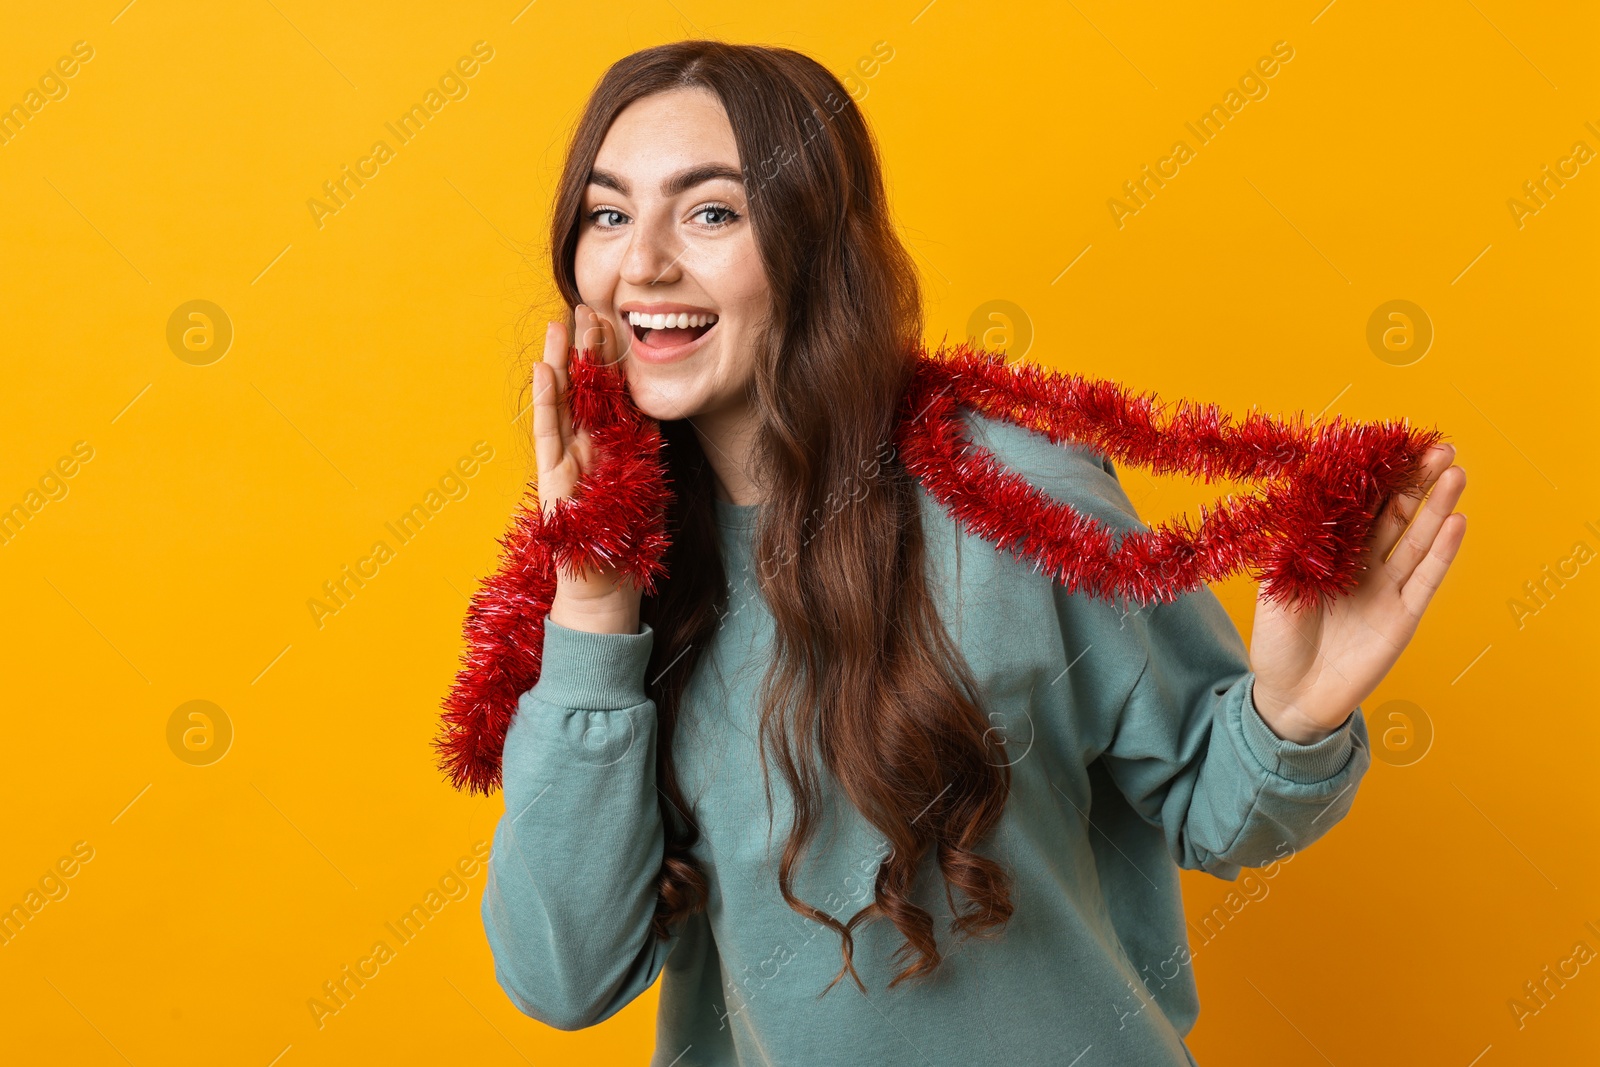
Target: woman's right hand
(600,601)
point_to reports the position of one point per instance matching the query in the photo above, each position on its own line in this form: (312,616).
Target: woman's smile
(665,332)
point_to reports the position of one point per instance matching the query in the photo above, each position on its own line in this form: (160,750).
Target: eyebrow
(677,183)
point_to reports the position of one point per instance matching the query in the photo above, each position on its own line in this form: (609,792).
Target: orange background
(372,353)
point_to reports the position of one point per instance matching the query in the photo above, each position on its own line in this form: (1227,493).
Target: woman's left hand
(1313,666)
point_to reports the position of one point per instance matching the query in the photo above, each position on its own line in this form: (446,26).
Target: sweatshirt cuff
(588,671)
(1304,764)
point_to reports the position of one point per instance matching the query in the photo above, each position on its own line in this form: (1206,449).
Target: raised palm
(1314,665)
(564,453)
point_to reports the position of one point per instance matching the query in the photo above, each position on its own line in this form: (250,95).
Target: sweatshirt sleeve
(571,889)
(1193,755)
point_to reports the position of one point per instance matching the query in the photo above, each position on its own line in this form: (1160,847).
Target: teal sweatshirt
(1136,749)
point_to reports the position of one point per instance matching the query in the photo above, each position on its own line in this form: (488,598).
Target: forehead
(664,133)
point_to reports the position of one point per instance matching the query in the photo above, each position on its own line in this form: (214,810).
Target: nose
(653,254)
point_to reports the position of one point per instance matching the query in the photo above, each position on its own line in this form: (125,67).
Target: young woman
(986,786)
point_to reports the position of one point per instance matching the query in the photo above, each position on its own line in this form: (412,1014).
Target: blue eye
(594,217)
(610,218)
(726,213)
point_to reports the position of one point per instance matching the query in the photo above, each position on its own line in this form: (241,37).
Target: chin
(660,401)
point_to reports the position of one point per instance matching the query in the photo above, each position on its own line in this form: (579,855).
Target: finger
(1429,574)
(549,449)
(610,344)
(580,325)
(555,357)
(555,354)
(591,334)
(1397,512)
(1416,540)
(622,340)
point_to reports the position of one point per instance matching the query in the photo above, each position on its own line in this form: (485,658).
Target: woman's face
(665,232)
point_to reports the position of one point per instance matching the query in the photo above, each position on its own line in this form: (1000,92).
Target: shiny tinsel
(614,518)
(1303,534)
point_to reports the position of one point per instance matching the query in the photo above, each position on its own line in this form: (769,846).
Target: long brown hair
(865,672)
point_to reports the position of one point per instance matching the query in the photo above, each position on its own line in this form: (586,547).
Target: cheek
(596,265)
(733,276)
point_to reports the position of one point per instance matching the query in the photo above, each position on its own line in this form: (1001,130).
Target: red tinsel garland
(1303,537)
(615,518)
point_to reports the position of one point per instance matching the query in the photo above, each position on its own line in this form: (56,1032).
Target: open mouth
(665,331)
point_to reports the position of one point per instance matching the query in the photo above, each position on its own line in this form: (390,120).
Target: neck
(728,440)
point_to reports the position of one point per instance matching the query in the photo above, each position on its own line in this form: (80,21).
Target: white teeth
(680,320)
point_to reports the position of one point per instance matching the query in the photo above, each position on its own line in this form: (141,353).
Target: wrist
(607,613)
(1285,718)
